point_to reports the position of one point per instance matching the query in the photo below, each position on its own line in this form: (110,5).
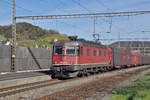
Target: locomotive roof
(76,43)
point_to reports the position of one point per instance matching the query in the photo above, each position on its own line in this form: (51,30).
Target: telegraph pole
(13,52)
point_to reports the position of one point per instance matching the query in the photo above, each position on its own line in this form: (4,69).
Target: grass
(52,37)
(2,36)
(41,42)
(33,43)
(139,90)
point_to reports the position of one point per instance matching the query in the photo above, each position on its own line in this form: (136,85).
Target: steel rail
(23,85)
(26,87)
(107,84)
(73,96)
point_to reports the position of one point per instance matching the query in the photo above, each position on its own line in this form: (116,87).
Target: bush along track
(139,90)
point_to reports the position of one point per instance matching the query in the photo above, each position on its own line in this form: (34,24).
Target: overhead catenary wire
(17,6)
(79,4)
(79,15)
(71,25)
(126,39)
(64,4)
(74,26)
(106,7)
(95,15)
(102,4)
(58,8)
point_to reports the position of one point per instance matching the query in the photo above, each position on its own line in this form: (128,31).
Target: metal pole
(94,24)
(94,28)
(143,47)
(94,15)
(119,40)
(13,57)
(95,35)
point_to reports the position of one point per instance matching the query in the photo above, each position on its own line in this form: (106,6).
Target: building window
(88,52)
(100,53)
(94,52)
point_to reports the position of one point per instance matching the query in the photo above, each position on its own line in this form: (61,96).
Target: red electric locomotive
(79,58)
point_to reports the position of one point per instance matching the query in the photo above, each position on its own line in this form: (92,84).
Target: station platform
(13,79)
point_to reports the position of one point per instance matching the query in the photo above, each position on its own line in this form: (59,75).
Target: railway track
(26,87)
(10,91)
(81,91)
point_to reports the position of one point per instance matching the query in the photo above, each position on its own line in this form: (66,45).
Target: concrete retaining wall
(27,58)
(5,58)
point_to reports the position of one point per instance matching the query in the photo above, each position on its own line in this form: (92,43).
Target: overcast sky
(128,27)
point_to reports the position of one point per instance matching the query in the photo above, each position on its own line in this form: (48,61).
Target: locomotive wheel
(105,69)
(53,76)
(109,68)
(80,74)
(87,74)
(94,71)
(84,72)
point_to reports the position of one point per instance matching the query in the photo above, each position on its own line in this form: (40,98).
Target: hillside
(141,46)
(27,30)
(131,44)
(31,36)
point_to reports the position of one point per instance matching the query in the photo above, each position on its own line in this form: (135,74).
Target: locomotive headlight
(55,62)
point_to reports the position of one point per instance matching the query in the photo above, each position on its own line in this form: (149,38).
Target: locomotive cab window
(70,50)
(58,50)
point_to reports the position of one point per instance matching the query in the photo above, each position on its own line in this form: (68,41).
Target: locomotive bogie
(77,70)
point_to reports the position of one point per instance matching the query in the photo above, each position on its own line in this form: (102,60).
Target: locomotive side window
(94,53)
(88,52)
(105,53)
(70,50)
(58,49)
(100,53)
(81,51)
(78,50)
